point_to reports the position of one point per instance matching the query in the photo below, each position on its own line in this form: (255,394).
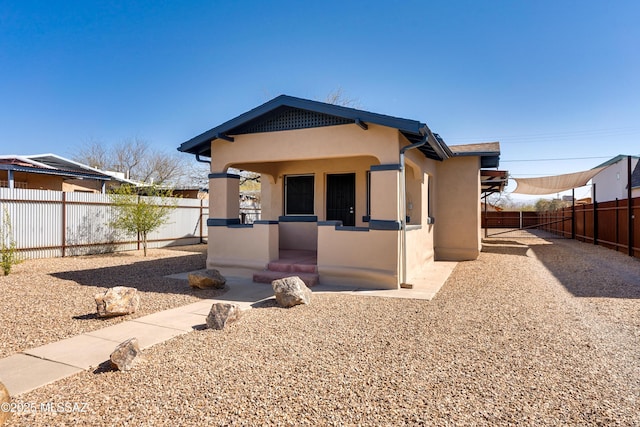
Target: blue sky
(548,79)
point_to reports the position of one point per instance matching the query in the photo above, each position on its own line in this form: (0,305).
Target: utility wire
(552,136)
(558,159)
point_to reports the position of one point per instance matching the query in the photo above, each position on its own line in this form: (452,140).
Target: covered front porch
(309,245)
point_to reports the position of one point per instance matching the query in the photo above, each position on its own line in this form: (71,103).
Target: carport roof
(50,164)
(287,112)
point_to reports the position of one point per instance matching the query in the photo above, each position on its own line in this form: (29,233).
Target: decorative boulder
(5,400)
(125,354)
(222,313)
(117,301)
(291,291)
(207,279)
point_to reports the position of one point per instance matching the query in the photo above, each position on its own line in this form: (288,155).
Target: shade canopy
(554,184)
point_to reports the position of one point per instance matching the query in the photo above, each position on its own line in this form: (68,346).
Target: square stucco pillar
(385,197)
(224,199)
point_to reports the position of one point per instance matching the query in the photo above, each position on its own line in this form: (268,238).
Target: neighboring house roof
(287,113)
(635,175)
(52,164)
(489,151)
(615,160)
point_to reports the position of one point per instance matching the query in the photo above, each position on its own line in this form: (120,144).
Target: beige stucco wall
(39,182)
(86,185)
(299,235)
(261,152)
(457,209)
(419,177)
(247,247)
(362,258)
(273,188)
(223,197)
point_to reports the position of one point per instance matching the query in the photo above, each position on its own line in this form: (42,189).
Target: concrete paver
(176,318)
(21,373)
(81,351)
(147,334)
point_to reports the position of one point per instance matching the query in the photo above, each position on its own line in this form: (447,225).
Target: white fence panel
(51,223)
(88,229)
(36,220)
(182,227)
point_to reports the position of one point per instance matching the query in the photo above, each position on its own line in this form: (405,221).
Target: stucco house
(612,182)
(361,198)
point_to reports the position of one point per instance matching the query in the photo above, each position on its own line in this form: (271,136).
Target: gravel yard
(46,300)
(535,332)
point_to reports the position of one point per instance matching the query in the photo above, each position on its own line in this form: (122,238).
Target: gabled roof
(287,112)
(488,151)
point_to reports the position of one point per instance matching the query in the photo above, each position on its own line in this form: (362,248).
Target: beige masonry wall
(457,209)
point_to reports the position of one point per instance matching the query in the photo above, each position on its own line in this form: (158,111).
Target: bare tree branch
(93,153)
(338,97)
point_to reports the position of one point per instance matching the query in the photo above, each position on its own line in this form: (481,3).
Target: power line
(553,136)
(558,159)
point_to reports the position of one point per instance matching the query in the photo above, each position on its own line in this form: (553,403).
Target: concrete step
(266,276)
(292,267)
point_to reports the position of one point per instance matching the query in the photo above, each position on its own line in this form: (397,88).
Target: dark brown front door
(341,198)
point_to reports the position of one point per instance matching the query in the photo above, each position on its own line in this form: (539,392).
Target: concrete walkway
(36,367)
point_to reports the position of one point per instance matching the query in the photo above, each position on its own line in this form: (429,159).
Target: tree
(135,158)
(543,205)
(141,215)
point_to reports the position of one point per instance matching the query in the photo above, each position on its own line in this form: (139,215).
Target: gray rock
(209,278)
(291,291)
(125,354)
(117,301)
(5,399)
(222,313)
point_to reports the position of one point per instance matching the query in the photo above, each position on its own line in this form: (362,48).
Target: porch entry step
(266,276)
(301,263)
(288,267)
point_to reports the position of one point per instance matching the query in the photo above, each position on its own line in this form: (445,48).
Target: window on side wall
(298,190)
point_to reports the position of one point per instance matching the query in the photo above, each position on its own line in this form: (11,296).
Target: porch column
(224,199)
(385,197)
